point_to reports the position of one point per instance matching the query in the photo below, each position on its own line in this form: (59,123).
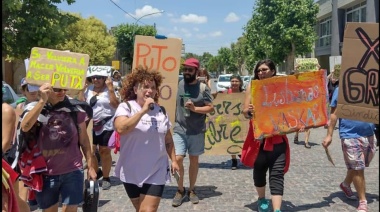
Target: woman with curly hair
(145,140)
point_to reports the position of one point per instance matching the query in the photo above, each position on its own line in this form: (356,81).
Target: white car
(246,80)
(223,82)
(9,95)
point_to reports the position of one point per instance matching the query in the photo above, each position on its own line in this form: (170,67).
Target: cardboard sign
(226,126)
(307,64)
(358,97)
(163,55)
(99,71)
(286,104)
(61,69)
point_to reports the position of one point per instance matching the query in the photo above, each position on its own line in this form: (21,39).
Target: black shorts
(133,191)
(102,139)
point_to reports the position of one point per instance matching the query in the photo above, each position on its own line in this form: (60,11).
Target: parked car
(246,80)
(180,77)
(9,95)
(223,82)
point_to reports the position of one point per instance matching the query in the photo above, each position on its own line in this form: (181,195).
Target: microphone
(151,106)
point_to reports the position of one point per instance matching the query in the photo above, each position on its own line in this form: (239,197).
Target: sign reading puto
(163,55)
(286,104)
(61,69)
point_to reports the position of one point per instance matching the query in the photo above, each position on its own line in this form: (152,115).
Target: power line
(130,15)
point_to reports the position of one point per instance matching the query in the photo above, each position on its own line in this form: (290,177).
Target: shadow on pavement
(224,165)
(328,201)
(203,192)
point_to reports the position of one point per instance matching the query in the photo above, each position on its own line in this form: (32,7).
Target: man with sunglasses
(54,129)
(189,131)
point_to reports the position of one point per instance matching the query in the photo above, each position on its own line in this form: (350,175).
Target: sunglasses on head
(58,90)
(97,77)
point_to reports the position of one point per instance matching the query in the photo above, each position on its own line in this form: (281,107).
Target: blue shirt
(349,128)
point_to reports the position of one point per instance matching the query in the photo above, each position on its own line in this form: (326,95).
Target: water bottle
(186,111)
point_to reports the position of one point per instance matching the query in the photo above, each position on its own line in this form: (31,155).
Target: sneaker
(99,174)
(263,205)
(277,210)
(362,206)
(178,198)
(106,184)
(234,164)
(193,197)
(347,191)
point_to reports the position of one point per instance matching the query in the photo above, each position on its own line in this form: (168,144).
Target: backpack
(23,138)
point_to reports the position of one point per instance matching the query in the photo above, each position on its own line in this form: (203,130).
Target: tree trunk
(290,59)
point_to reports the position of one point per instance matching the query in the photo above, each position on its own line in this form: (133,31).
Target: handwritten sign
(358,97)
(99,71)
(287,103)
(307,64)
(61,69)
(163,55)
(226,126)
(116,64)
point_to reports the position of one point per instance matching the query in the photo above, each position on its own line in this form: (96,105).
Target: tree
(125,34)
(225,59)
(31,23)
(90,36)
(281,29)
(205,58)
(239,53)
(213,64)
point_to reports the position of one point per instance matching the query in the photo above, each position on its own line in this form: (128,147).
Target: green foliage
(90,36)
(276,25)
(125,33)
(32,23)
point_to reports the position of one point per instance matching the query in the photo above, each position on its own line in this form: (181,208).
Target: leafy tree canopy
(281,29)
(32,23)
(125,34)
(90,36)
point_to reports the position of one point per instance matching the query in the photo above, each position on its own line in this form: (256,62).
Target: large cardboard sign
(226,126)
(163,55)
(307,64)
(61,69)
(286,104)
(358,97)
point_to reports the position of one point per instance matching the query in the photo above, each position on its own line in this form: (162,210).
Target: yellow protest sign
(116,64)
(163,55)
(61,69)
(226,126)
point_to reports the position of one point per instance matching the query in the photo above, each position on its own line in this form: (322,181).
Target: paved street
(312,183)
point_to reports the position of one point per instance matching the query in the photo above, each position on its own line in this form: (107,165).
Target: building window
(325,32)
(356,13)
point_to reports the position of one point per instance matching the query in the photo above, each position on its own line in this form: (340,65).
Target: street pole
(137,20)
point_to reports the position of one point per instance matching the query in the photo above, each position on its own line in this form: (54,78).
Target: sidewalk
(312,183)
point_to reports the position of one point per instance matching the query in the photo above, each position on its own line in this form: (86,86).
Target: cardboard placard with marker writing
(358,97)
(226,126)
(163,55)
(62,69)
(285,104)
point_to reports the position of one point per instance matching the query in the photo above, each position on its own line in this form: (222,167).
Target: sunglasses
(58,90)
(97,77)
(188,69)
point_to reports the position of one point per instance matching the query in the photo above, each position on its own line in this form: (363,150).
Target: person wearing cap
(189,131)
(104,100)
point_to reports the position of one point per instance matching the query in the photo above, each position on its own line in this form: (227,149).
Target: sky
(203,25)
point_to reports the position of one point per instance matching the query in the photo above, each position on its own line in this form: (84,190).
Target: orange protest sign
(163,55)
(286,104)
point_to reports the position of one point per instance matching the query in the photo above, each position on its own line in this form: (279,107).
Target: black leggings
(275,161)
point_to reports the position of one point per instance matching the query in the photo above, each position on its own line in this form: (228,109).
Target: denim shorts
(194,144)
(69,186)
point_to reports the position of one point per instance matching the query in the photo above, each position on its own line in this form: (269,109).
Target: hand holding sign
(109,83)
